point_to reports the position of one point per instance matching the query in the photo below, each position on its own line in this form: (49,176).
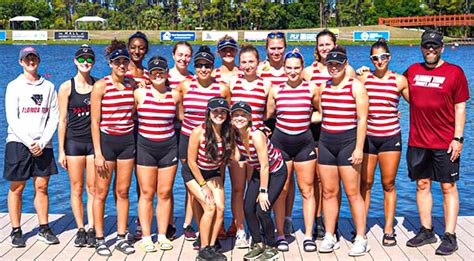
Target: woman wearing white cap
(76,153)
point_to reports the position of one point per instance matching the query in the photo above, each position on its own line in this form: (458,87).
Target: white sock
(147,239)
(185,225)
(308,238)
(161,237)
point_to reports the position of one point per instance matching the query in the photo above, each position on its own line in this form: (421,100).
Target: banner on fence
(256,35)
(216,35)
(29,35)
(301,37)
(71,35)
(177,36)
(3,35)
(371,35)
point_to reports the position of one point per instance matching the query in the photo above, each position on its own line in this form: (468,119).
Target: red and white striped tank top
(139,79)
(116,108)
(384,97)
(254,97)
(317,77)
(175,80)
(219,78)
(195,105)
(339,108)
(293,108)
(274,76)
(156,117)
(275,160)
(206,164)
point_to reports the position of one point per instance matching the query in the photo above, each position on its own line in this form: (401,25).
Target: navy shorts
(117,147)
(20,164)
(336,148)
(298,148)
(375,145)
(159,154)
(316,131)
(78,148)
(431,164)
(206,174)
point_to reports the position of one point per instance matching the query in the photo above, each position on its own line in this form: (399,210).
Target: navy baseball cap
(217,102)
(433,37)
(241,106)
(27,51)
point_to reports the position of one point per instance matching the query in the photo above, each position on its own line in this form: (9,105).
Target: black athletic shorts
(183,146)
(431,164)
(206,174)
(159,154)
(336,148)
(316,131)
(78,148)
(117,147)
(20,164)
(375,145)
(298,148)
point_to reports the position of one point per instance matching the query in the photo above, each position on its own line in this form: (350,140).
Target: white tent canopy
(89,19)
(23,19)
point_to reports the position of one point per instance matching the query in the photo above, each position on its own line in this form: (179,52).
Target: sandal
(125,247)
(309,245)
(102,249)
(389,240)
(147,246)
(282,245)
(165,244)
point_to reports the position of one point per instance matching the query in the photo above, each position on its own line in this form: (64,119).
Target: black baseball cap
(241,106)
(84,50)
(433,37)
(157,63)
(204,53)
(119,53)
(217,102)
(336,56)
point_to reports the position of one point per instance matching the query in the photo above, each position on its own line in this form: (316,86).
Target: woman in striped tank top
(227,49)
(384,88)
(210,146)
(265,185)
(112,106)
(75,149)
(253,90)
(195,94)
(292,102)
(157,151)
(318,74)
(344,107)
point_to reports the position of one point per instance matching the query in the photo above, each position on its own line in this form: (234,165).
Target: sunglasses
(227,42)
(431,45)
(205,65)
(380,57)
(277,35)
(82,59)
(158,71)
(293,54)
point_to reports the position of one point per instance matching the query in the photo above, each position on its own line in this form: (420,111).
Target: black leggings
(254,215)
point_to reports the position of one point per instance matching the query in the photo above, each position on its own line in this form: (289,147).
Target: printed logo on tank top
(428,81)
(83,110)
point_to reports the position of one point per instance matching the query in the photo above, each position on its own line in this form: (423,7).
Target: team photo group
(271,123)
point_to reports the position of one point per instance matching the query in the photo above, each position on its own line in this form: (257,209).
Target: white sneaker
(360,246)
(329,243)
(241,240)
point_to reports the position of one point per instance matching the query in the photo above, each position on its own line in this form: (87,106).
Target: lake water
(57,65)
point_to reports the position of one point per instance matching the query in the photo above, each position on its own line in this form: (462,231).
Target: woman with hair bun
(384,139)
(112,107)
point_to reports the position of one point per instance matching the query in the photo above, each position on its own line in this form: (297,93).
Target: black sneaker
(16,238)
(423,237)
(189,233)
(171,232)
(47,236)
(218,246)
(218,256)
(448,244)
(319,231)
(197,244)
(81,238)
(91,237)
(206,254)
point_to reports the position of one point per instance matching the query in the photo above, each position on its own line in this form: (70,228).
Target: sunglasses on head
(227,42)
(205,65)
(431,45)
(82,59)
(293,54)
(378,57)
(276,35)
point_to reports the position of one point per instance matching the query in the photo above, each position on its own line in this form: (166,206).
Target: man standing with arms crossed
(438,94)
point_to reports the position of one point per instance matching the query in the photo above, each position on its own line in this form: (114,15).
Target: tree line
(224,14)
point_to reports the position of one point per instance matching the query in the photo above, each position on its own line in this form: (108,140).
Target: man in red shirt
(438,93)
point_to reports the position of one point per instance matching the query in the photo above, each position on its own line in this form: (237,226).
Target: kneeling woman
(267,180)
(210,146)
(157,151)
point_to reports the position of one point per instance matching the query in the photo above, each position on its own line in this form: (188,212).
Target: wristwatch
(459,139)
(263,190)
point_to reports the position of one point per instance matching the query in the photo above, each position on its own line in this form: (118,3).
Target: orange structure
(436,20)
